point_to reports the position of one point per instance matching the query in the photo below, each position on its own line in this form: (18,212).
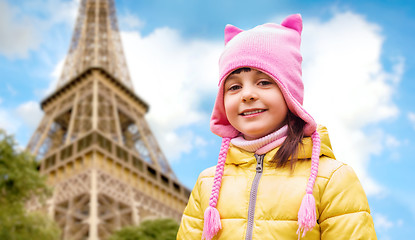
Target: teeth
(252,112)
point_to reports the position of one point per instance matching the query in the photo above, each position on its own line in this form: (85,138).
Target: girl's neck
(264,144)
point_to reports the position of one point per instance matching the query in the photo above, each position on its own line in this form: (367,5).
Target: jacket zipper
(253,195)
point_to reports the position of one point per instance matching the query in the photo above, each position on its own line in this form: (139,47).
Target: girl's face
(254,104)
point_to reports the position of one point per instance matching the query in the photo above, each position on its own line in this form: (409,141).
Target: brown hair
(289,147)
(239,70)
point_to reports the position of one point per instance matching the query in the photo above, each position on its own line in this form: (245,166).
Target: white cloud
(54,76)
(382,222)
(130,22)
(391,141)
(21,120)
(60,11)
(393,144)
(182,143)
(411,117)
(18,34)
(347,89)
(51,12)
(8,121)
(30,113)
(173,75)
(200,142)
(23,27)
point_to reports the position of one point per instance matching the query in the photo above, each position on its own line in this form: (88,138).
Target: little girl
(276,177)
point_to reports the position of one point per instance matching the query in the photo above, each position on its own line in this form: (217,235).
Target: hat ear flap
(230,32)
(294,22)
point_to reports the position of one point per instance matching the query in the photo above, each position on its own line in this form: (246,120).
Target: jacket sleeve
(191,225)
(344,210)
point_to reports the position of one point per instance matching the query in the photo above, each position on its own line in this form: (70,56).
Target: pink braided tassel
(212,222)
(307,216)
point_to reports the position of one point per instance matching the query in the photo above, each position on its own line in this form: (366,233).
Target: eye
(265,82)
(234,88)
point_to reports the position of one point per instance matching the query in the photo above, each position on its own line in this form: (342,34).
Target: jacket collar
(238,156)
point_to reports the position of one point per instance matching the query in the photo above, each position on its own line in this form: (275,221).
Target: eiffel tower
(94,144)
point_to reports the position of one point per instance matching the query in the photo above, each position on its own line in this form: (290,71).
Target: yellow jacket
(342,208)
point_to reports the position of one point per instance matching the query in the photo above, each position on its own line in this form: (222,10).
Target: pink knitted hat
(275,50)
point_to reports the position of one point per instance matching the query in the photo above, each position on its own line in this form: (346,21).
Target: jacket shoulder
(208,172)
(343,205)
(327,166)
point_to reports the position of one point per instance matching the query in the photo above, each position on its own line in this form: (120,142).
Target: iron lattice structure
(96,43)
(94,144)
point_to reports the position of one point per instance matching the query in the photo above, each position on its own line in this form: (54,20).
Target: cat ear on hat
(230,32)
(294,22)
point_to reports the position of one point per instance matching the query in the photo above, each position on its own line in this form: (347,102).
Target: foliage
(158,229)
(19,182)
(127,233)
(20,225)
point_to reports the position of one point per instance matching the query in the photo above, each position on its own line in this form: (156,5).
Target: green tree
(158,229)
(19,182)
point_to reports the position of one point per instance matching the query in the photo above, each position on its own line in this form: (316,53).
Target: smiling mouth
(252,112)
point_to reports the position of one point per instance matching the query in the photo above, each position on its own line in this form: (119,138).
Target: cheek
(283,111)
(280,101)
(282,107)
(282,104)
(226,104)
(229,105)
(277,104)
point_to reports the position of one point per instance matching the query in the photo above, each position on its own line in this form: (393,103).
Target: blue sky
(358,72)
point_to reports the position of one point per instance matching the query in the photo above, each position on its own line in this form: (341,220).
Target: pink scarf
(264,144)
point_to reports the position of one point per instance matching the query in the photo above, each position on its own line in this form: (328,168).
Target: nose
(249,94)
